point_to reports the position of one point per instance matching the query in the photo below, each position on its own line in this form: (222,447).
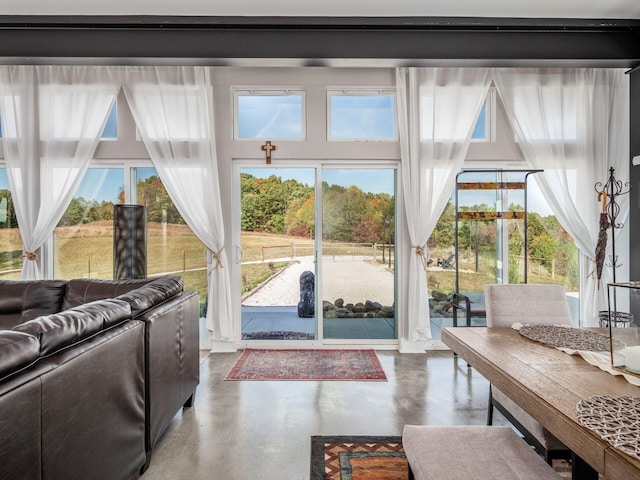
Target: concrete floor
(261,430)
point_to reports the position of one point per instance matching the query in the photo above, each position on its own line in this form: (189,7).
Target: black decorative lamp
(129,242)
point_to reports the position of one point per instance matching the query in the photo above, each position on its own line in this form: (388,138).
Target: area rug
(358,458)
(350,365)
(370,458)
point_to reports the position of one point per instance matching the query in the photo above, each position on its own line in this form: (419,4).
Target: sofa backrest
(83,290)
(23,300)
(60,330)
(17,349)
(152,294)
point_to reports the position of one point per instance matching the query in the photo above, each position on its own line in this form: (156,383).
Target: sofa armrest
(173,362)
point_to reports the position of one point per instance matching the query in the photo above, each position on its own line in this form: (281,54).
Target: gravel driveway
(354,280)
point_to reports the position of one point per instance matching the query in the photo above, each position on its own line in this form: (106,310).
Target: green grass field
(86,251)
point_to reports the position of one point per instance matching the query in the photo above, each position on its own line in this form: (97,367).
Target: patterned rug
(370,458)
(358,458)
(361,365)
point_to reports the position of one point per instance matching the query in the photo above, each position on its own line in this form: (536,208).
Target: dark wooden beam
(321,41)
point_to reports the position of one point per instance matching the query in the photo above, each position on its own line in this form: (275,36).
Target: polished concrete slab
(254,430)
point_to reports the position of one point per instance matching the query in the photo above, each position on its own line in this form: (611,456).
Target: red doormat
(307,365)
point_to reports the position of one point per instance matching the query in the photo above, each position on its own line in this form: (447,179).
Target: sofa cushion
(153,293)
(23,300)
(17,349)
(83,290)
(70,326)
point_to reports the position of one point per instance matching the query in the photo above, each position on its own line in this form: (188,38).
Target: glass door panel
(278,274)
(358,253)
(10,239)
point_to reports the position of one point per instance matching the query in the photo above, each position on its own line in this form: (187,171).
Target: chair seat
(475,452)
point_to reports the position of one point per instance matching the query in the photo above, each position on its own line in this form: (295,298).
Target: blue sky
(101,184)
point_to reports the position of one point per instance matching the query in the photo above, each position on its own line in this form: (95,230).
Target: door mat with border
(312,364)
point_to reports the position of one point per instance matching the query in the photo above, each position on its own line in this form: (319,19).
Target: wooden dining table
(548,384)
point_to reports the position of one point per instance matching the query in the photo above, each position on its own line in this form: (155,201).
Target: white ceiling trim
(585,9)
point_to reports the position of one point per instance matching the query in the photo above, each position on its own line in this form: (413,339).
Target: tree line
(151,192)
(273,205)
(7,212)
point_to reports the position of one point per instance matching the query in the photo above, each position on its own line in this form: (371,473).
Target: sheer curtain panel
(437,111)
(573,124)
(173,110)
(52,120)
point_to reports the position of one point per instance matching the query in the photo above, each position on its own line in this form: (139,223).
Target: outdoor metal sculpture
(307,303)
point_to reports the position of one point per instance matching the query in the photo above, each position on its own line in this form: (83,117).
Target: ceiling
(586,9)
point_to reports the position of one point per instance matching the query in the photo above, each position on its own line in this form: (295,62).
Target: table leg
(581,470)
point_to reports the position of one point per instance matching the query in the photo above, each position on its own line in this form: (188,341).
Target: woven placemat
(568,337)
(615,419)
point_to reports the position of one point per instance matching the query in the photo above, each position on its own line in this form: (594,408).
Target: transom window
(110,132)
(362,114)
(269,114)
(438,126)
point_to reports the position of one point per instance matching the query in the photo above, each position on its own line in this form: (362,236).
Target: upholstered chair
(527,304)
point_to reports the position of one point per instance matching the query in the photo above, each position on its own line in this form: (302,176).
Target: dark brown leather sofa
(92,373)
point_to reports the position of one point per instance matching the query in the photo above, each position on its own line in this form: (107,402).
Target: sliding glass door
(277,281)
(358,253)
(291,291)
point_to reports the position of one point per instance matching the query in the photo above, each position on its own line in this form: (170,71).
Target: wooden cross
(267,147)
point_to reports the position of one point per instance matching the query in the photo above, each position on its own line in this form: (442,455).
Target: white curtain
(573,124)
(52,120)
(437,112)
(173,110)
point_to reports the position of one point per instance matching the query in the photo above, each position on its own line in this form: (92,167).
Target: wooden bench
(475,452)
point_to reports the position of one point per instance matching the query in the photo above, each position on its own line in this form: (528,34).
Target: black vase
(129,242)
